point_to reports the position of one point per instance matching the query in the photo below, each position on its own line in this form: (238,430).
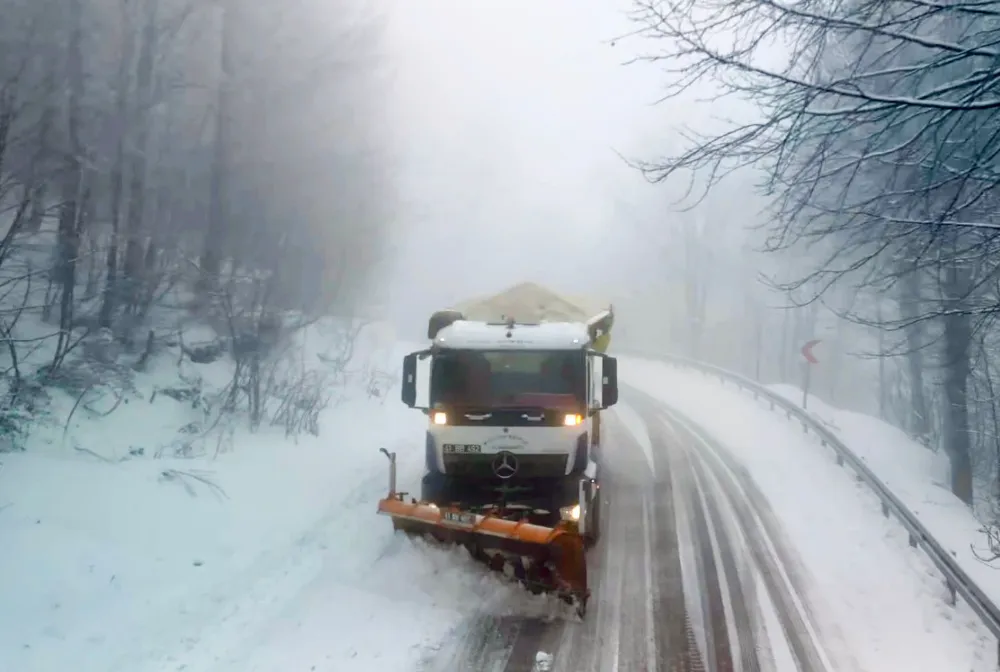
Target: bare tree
(877,134)
(146,145)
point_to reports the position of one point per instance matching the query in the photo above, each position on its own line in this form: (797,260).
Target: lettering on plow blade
(505,464)
(506,441)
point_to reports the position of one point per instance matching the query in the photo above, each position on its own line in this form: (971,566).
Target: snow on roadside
(918,477)
(883,601)
(633,421)
(114,560)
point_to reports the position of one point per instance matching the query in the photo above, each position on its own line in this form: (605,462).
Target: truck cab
(512,409)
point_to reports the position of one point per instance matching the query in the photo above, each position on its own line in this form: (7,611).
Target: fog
(511,118)
(246,165)
(223,224)
(386,160)
(518,130)
(513,123)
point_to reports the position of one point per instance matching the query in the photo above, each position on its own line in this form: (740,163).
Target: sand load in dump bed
(528,302)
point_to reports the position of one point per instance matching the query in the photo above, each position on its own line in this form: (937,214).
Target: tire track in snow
(740,599)
(720,650)
(676,643)
(626,634)
(742,610)
(791,568)
(712,465)
(593,645)
(727,591)
(674,578)
(616,622)
(617,633)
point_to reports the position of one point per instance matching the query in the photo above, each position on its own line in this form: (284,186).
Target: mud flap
(589,524)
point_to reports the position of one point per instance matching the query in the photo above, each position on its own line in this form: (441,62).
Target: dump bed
(530,302)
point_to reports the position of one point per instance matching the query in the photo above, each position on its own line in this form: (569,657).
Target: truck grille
(528,466)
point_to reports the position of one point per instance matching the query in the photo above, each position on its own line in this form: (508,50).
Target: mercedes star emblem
(505,464)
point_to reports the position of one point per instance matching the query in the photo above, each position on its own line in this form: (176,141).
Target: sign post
(810,360)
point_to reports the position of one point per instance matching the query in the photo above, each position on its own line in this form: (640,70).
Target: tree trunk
(37,183)
(883,383)
(215,232)
(72,187)
(134,230)
(784,347)
(836,363)
(918,422)
(758,333)
(109,302)
(957,345)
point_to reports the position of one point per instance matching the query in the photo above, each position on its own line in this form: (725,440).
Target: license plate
(456,518)
(462,447)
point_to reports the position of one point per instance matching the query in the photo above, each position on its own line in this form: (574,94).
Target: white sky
(508,113)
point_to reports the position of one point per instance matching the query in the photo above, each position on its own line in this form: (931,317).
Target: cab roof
(468,335)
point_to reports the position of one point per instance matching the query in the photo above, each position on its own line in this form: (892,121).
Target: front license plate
(462,447)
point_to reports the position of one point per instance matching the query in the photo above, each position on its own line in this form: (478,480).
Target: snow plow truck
(512,445)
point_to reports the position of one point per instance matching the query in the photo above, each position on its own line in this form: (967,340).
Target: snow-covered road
(694,571)
(883,602)
(726,534)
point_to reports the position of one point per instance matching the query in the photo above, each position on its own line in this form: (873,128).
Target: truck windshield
(509,378)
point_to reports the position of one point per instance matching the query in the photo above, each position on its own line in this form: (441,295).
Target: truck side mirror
(416,379)
(409,392)
(609,382)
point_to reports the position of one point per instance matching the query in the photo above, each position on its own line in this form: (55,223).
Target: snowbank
(877,600)
(918,476)
(132,542)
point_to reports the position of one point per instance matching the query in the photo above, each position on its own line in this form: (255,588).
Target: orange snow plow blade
(544,559)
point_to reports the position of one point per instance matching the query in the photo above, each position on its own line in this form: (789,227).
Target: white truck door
(595,371)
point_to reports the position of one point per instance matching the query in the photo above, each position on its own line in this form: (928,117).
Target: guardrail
(957,581)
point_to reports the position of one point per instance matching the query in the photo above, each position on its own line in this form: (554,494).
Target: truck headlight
(440,418)
(572,420)
(570,513)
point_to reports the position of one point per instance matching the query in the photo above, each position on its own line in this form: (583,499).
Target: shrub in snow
(203,353)
(81,374)
(101,347)
(14,423)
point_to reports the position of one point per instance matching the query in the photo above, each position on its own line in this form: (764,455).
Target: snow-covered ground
(130,542)
(884,602)
(919,477)
(133,541)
